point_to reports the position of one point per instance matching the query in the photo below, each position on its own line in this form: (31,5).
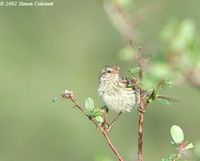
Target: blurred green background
(44,51)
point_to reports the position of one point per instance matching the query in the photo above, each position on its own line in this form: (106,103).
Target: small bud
(68,94)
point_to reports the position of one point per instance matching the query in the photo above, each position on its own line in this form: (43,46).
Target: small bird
(116,92)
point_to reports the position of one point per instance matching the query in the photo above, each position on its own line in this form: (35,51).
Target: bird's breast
(118,97)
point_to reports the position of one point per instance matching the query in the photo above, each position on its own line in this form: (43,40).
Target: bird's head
(110,72)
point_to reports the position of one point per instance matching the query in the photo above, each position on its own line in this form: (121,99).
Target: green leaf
(150,100)
(168,84)
(170,30)
(165,159)
(126,53)
(147,83)
(189,146)
(96,112)
(134,70)
(99,119)
(89,104)
(177,134)
(152,97)
(164,101)
(194,50)
(160,71)
(173,143)
(185,35)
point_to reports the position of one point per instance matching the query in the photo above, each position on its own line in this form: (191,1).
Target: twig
(177,156)
(181,149)
(142,108)
(104,132)
(167,98)
(139,57)
(113,122)
(143,103)
(70,96)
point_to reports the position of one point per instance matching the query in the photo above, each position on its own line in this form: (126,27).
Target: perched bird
(116,92)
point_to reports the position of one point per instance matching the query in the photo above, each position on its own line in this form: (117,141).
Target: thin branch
(167,98)
(138,56)
(143,103)
(69,95)
(105,134)
(142,108)
(123,24)
(180,151)
(113,122)
(177,156)
(145,11)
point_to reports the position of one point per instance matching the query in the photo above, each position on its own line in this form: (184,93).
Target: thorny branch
(69,95)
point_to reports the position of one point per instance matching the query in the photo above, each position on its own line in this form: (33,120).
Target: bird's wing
(126,81)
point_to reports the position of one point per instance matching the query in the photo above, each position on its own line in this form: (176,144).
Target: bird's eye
(109,71)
